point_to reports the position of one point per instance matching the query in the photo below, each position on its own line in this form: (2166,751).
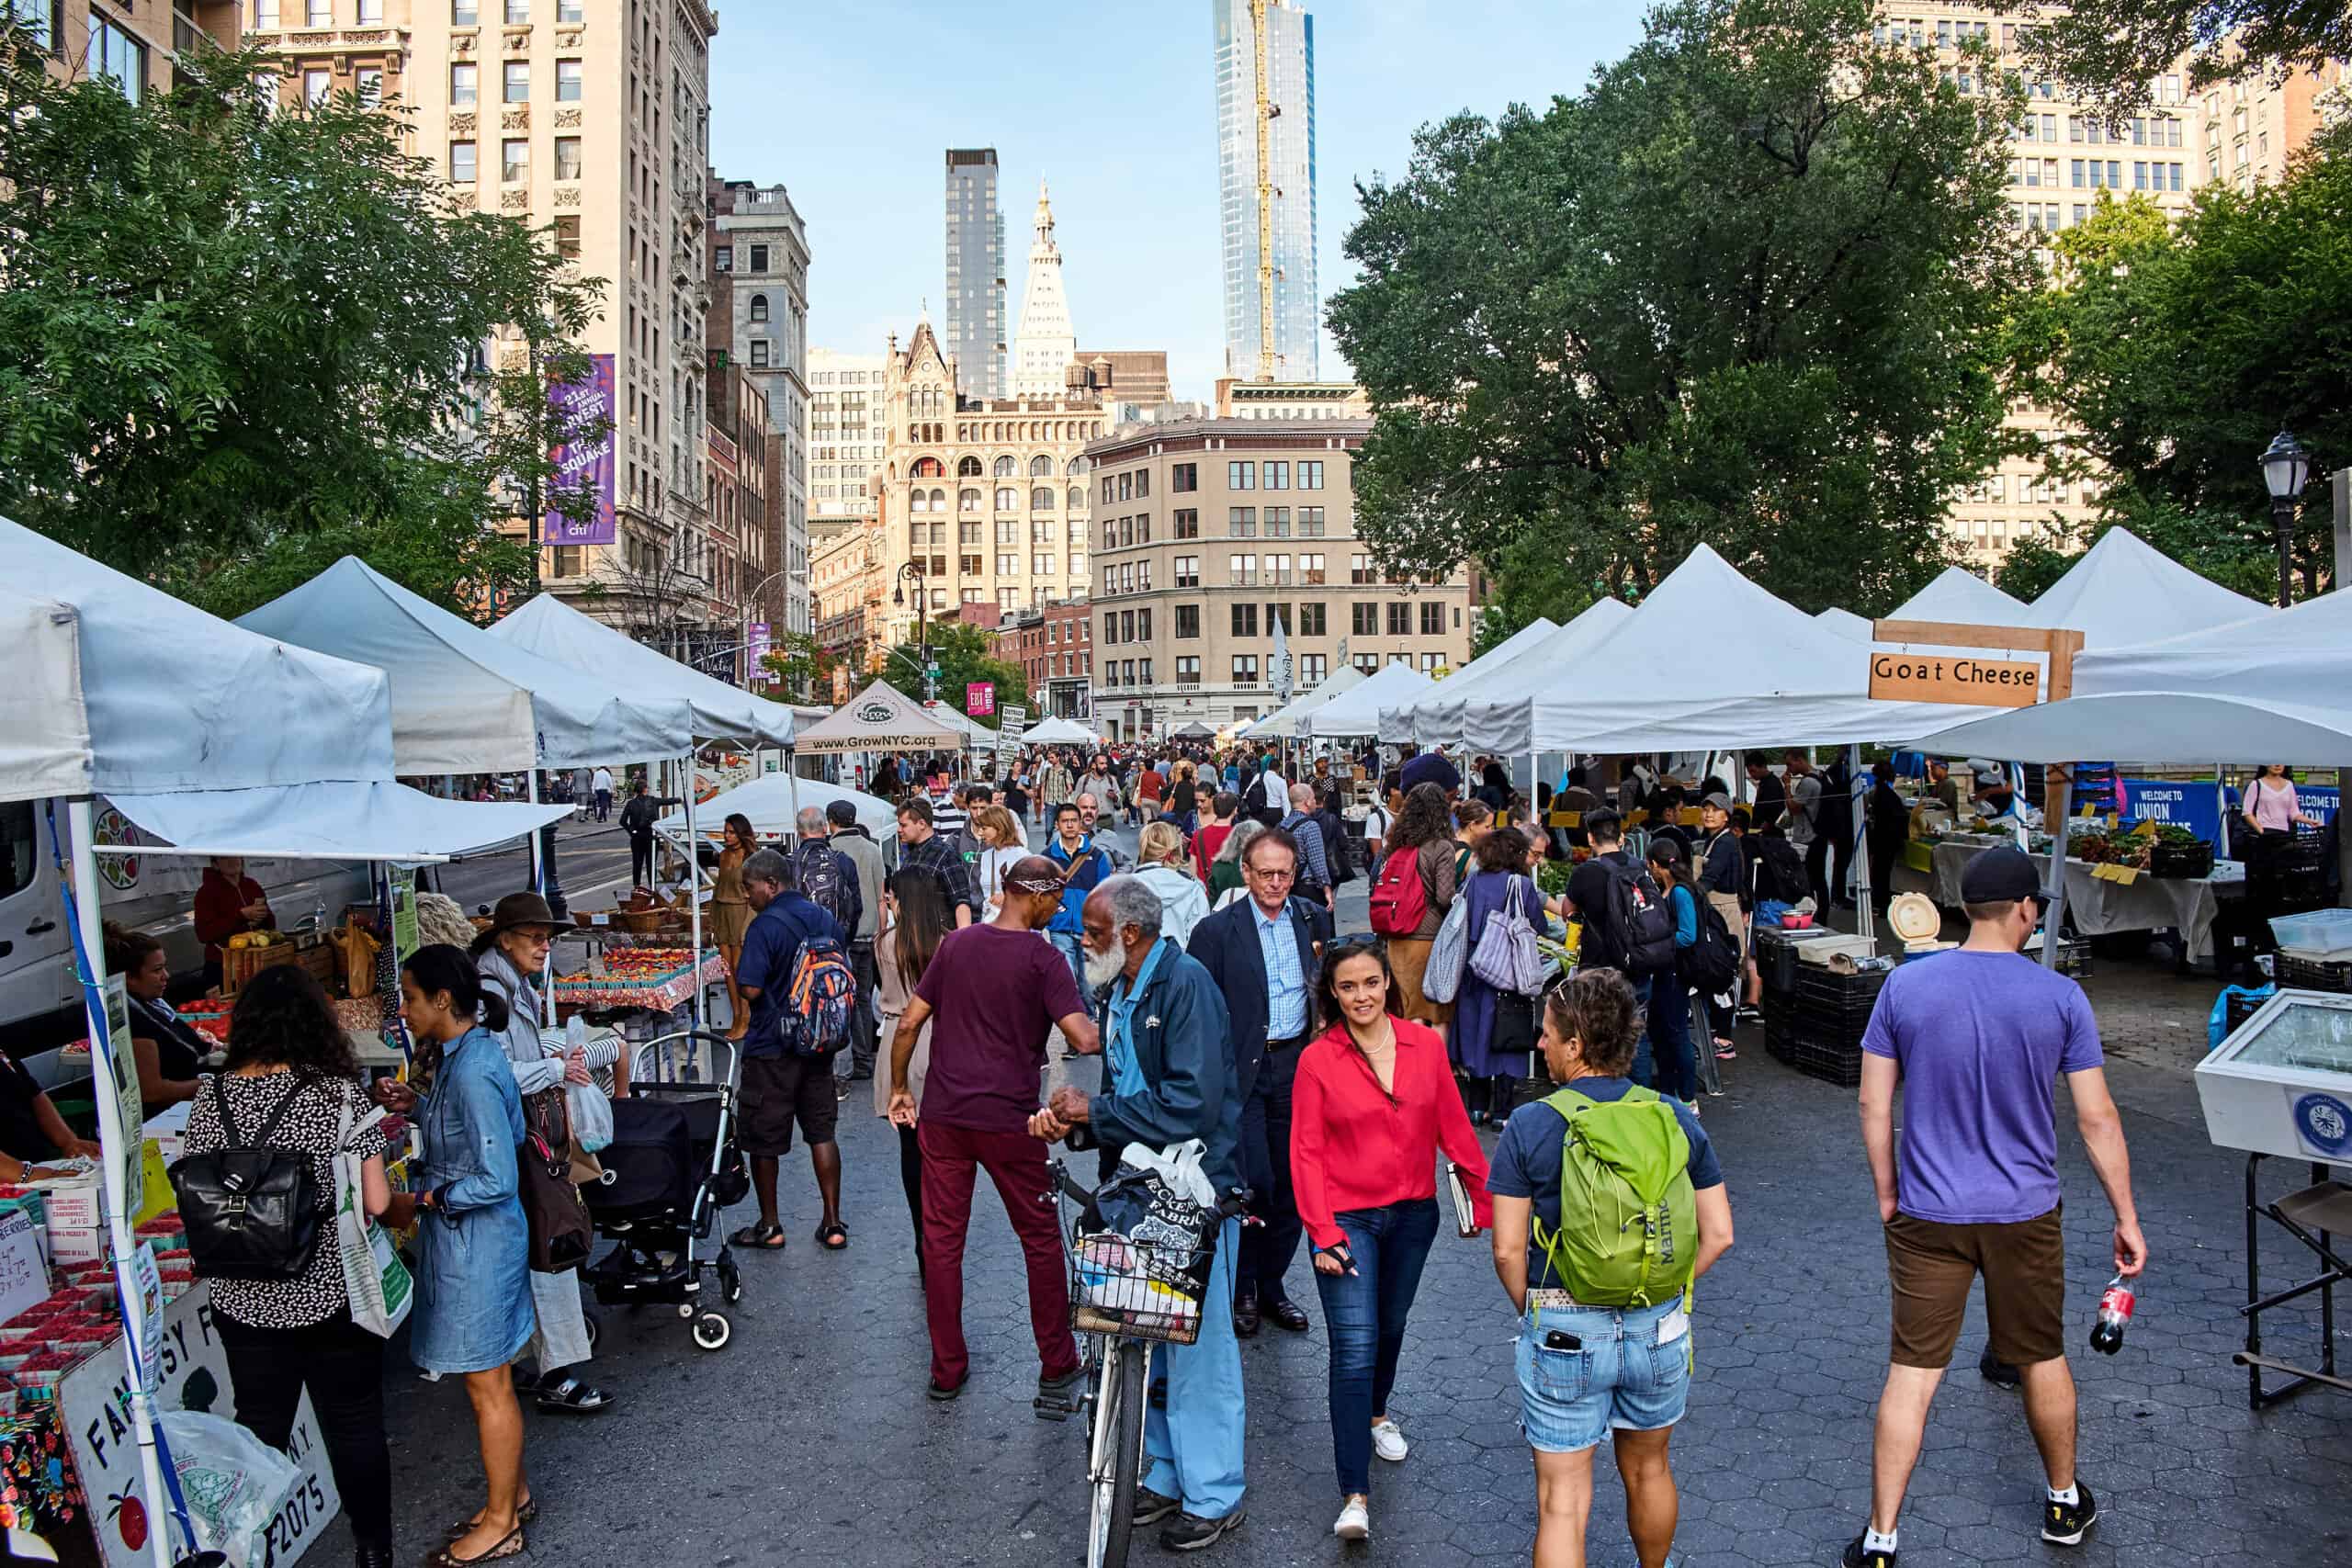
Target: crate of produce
(2297,973)
(244,957)
(2191,858)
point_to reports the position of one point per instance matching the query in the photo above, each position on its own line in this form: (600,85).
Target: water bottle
(2114,1316)
(319,918)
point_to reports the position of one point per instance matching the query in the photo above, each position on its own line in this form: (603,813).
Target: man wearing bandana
(1169,1076)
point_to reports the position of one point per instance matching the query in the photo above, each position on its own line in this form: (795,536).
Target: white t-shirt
(989,872)
(603,779)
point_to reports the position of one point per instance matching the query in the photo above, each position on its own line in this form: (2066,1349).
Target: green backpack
(1629,1225)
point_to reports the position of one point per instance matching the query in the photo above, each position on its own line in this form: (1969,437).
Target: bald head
(811,820)
(1302,797)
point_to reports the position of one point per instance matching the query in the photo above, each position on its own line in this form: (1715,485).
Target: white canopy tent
(1845,623)
(2124,591)
(971,734)
(1356,713)
(879,718)
(1283,723)
(1441,716)
(555,631)
(218,741)
(1778,675)
(1397,720)
(775,805)
(1962,596)
(1059,732)
(464,701)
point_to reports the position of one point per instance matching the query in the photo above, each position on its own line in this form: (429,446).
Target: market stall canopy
(1845,623)
(464,701)
(346,819)
(1960,597)
(44,727)
(1708,661)
(2125,591)
(1283,721)
(175,699)
(1196,730)
(1357,713)
(554,630)
(768,801)
(2275,687)
(1441,716)
(879,718)
(972,734)
(1060,731)
(1397,719)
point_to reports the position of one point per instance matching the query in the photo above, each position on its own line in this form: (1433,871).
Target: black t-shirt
(1588,887)
(20,1133)
(1771,801)
(179,1051)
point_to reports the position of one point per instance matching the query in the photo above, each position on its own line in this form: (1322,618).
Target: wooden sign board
(1945,678)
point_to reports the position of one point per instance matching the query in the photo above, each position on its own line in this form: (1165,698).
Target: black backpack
(252,1210)
(822,882)
(1641,922)
(1713,963)
(1337,853)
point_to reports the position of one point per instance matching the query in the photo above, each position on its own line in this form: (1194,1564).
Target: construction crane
(1266,113)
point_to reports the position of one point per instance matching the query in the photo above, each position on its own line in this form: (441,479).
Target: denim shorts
(1623,1378)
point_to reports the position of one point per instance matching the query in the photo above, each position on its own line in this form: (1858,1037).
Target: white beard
(1103,967)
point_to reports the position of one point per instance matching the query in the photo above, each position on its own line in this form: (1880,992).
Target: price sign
(979,698)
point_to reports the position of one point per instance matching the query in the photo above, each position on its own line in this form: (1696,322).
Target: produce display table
(651,979)
(2096,904)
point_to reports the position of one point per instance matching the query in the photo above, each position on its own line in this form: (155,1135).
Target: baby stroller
(672,1164)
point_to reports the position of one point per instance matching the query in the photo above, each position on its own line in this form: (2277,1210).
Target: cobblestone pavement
(808,1439)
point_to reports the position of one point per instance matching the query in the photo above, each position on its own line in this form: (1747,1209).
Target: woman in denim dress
(474,1312)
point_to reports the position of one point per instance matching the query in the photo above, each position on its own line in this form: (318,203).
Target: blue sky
(851,103)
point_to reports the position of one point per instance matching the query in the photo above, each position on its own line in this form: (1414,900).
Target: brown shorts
(1931,1267)
(780,1090)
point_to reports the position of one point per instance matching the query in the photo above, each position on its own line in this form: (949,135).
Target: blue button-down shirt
(1285,979)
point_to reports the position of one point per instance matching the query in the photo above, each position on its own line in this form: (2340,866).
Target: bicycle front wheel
(1114,1466)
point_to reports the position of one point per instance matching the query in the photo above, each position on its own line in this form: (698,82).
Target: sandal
(1725,1051)
(527,1514)
(511,1547)
(759,1238)
(832,1237)
(569,1393)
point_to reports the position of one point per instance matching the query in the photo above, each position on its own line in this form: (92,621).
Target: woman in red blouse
(226,902)
(1373,1103)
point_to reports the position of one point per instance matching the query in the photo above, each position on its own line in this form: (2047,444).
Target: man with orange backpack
(789,975)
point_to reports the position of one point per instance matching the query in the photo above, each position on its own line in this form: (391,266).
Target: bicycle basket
(1145,1274)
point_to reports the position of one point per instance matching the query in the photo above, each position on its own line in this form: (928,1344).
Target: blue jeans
(1192,1436)
(1072,948)
(1365,1314)
(1631,1373)
(1666,1038)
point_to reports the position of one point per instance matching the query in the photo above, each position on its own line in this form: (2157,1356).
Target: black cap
(1999,875)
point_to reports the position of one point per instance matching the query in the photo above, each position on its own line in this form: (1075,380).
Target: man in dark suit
(1265,953)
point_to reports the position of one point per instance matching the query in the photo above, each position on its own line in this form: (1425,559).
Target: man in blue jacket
(1083,869)
(1167,1077)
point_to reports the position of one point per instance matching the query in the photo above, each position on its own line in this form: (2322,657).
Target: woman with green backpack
(1608,1204)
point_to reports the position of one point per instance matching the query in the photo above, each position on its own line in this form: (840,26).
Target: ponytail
(446,968)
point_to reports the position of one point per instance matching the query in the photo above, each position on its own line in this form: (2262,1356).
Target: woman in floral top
(286,1049)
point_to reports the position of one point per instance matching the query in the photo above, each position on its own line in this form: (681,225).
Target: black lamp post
(2285,468)
(912,572)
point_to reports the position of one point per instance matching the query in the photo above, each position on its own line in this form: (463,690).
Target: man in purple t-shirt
(1977,1037)
(992,995)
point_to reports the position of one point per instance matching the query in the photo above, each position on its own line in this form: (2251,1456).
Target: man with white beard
(1169,1076)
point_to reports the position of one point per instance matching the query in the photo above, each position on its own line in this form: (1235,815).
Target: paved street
(808,1439)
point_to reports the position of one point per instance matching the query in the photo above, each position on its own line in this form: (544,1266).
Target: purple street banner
(756,649)
(588,463)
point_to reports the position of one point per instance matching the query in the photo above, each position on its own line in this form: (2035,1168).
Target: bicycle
(1125,1294)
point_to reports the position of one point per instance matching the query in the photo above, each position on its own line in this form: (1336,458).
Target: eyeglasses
(1271,875)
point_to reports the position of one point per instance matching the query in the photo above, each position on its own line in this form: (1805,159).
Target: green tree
(804,665)
(237,343)
(2109,50)
(963,655)
(2177,351)
(1741,291)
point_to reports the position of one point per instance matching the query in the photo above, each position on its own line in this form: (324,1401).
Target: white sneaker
(1388,1440)
(1354,1522)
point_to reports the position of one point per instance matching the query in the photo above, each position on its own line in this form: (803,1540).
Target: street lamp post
(2285,468)
(912,572)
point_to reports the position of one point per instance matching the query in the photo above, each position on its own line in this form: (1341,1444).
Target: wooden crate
(239,965)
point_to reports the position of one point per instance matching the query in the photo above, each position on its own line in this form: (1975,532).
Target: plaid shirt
(937,855)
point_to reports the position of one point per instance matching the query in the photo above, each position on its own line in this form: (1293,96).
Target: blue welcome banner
(2194,804)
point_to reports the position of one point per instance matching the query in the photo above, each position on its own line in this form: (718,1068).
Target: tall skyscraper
(1045,346)
(1265,134)
(975,323)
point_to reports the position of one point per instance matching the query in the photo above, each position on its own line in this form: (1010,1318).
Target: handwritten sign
(1944,678)
(24,1276)
(192,1374)
(129,1115)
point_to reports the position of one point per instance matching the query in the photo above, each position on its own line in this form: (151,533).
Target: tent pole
(538,884)
(693,891)
(1857,857)
(2056,786)
(116,1139)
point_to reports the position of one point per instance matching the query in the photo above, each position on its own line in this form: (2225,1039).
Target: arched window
(759,306)
(1040,498)
(915,501)
(967,500)
(1077,497)
(1041,466)
(1007,497)
(939,501)
(1077,465)
(1006,467)
(968,468)
(929,468)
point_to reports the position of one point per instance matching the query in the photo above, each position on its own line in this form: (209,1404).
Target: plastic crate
(2319,932)
(1830,1062)
(2310,975)
(2237,1009)
(2193,862)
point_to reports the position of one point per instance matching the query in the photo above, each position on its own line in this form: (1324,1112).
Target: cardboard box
(76,1244)
(79,1204)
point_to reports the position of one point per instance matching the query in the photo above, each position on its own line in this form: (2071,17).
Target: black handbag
(252,1210)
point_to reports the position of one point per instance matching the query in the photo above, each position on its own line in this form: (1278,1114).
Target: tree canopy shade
(1740,290)
(237,343)
(2178,351)
(2109,50)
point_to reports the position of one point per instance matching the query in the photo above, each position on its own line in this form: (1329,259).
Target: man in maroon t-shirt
(992,995)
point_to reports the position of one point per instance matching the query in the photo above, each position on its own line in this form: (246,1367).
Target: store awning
(554,630)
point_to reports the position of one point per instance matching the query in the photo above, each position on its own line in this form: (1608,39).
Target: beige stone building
(590,118)
(1206,532)
(845,435)
(133,41)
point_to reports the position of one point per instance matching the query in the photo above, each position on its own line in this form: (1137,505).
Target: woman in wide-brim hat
(510,956)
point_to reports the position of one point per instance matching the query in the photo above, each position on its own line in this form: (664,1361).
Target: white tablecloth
(2097,906)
